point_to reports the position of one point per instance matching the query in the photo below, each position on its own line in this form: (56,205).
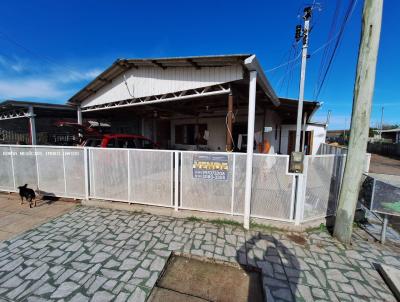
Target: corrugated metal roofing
(122,65)
(18,104)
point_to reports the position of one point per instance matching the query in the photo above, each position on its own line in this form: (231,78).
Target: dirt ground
(188,279)
(16,218)
(384,165)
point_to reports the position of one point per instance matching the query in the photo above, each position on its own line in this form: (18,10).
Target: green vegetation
(215,221)
(321,228)
(266,227)
(395,206)
(193,219)
(226,222)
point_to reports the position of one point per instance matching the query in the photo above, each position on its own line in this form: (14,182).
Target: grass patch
(233,223)
(226,222)
(194,219)
(321,228)
(216,221)
(266,227)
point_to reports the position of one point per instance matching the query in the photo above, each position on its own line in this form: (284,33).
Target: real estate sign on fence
(210,166)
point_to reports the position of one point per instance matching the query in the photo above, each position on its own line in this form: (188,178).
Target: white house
(200,103)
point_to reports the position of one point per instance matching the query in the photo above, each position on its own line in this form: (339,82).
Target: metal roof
(121,65)
(390,130)
(7,104)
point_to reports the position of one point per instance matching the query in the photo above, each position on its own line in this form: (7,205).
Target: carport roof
(121,65)
(9,104)
(11,109)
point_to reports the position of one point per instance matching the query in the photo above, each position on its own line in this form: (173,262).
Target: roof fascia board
(252,64)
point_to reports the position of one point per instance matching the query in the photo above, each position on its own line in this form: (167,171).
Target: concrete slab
(211,281)
(392,277)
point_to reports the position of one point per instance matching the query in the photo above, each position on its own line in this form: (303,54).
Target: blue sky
(50,49)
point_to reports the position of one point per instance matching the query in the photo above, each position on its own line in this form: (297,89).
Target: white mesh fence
(132,175)
(272,193)
(109,173)
(323,179)
(272,187)
(148,177)
(151,176)
(6,169)
(54,171)
(25,169)
(205,194)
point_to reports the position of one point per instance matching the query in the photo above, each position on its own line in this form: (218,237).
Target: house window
(190,134)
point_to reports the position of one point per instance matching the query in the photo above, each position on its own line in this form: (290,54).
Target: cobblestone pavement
(107,255)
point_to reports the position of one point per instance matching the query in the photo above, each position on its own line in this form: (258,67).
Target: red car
(131,141)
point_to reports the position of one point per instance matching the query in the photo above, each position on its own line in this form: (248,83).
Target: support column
(229,122)
(250,147)
(32,126)
(79,114)
(79,118)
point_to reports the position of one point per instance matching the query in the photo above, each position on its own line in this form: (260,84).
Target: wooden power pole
(360,119)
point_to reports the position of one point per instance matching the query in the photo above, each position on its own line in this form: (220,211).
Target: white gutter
(319,105)
(252,64)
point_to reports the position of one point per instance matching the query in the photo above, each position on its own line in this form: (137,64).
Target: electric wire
(347,17)
(50,60)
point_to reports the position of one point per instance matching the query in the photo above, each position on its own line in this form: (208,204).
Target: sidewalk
(16,218)
(117,255)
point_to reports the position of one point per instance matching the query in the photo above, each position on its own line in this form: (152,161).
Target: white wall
(148,81)
(319,137)
(217,130)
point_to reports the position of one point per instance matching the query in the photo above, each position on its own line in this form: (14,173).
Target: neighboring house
(391,134)
(184,103)
(18,117)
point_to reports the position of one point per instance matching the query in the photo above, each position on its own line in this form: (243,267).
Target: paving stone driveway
(103,255)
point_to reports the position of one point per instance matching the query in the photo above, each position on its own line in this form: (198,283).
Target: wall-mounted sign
(210,166)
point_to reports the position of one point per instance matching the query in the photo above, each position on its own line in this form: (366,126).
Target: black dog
(28,193)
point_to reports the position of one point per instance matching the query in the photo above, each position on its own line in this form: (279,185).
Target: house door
(307,145)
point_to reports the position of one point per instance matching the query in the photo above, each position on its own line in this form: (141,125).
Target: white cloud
(32,89)
(26,79)
(76,76)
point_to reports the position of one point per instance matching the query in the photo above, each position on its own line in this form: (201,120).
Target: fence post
(86,164)
(301,194)
(176,199)
(12,167)
(129,176)
(233,182)
(37,169)
(299,202)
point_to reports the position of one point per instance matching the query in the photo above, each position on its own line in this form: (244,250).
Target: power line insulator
(307,13)
(298,33)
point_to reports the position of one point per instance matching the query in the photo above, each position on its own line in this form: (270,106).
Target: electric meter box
(296,162)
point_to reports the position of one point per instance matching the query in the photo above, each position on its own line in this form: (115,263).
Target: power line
(42,57)
(324,58)
(348,15)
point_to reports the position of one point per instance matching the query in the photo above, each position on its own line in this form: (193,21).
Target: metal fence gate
(57,171)
(167,178)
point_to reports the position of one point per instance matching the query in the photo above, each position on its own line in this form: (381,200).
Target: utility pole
(306,29)
(380,135)
(360,120)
